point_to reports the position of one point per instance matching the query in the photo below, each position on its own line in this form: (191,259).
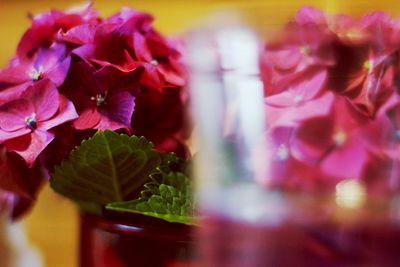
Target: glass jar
(298,130)
(129,240)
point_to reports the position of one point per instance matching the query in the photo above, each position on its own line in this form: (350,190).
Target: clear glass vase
(297,135)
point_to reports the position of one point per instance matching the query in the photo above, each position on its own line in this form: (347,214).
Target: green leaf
(170,199)
(106,168)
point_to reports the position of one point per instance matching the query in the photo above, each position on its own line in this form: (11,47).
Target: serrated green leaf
(106,168)
(171,201)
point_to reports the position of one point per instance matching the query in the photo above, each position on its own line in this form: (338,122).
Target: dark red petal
(31,145)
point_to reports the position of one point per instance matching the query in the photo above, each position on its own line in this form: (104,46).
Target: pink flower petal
(88,119)
(171,75)
(58,73)
(141,50)
(31,145)
(13,92)
(347,161)
(292,116)
(4,135)
(286,58)
(17,72)
(81,34)
(308,15)
(313,139)
(309,86)
(119,111)
(66,112)
(14,113)
(44,97)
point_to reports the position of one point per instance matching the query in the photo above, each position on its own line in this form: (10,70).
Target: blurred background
(52,225)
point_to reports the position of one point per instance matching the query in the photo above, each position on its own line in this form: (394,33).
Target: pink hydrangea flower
(299,102)
(305,45)
(333,142)
(103,98)
(51,63)
(25,122)
(288,173)
(46,26)
(74,62)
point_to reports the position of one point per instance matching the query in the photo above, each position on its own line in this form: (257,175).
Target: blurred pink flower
(301,101)
(304,45)
(333,142)
(372,86)
(288,173)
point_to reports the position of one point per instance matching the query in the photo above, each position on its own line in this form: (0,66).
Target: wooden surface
(52,225)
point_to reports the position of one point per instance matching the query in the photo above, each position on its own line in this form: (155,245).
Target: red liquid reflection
(235,244)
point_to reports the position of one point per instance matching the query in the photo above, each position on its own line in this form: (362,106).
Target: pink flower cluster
(75,73)
(333,101)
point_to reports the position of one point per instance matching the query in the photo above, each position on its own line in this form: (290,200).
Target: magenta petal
(308,15)
(58,73)
(171,76)
(150,77)
(306,89)
(135,20)
(118,113)
(379,137)
(140,46)
(82,34)
(292,116)
(66,112)
(47,58)
(347,161)
(107,123)
(311,85)
(13,92)
(86,52)
(285,58)
(88,119)
(4,135)
(14,113)
(44,96)
(38,141)
(313,139)
(283,100)
(17,72)
(32,39)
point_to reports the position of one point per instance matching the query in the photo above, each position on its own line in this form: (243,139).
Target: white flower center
(340,138)
(297,99)
(283,152)
(35,73)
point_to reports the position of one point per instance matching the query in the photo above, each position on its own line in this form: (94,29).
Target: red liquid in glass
(226,242)
(133,241)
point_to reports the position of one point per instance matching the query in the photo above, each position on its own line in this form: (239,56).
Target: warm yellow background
(52,225)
